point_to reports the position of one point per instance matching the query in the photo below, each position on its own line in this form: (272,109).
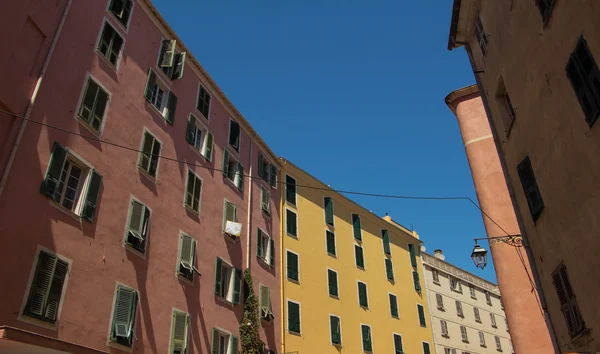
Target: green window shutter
(234,135)
(385,237)
(291,223)
(54,171)
(46,288)
(171,106)
(237,281)
(413,255)
(332,282)
(154,158)
(426,349)
(146,153)
(179,332)
(218,270)
(366,338)
(416,281)
(293,317)
(292,266)
(225,162)
(259,243)
(58,280)
(393,305)
(234,345)
(91,197)
(273,175)
(389,269)
(214,344)
(358,254)
(179,66)
(290,190)
(261,166)
(398,344)
(208,151)
(328,205)
(264,300)
(330,242)
(356,227)
(122,324)
(421,311)
(362,295)
(197,190)
(241,177)
(168,53)
(190,131)
(150,85)
(272,258)
(186,256)
(336,337)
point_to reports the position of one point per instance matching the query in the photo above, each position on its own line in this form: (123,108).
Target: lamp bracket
(511,240)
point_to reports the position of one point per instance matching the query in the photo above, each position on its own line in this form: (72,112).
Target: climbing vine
(250,340)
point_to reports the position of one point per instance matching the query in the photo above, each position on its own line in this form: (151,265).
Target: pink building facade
(127,229)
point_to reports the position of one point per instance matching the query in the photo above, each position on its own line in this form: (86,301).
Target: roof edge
(458,94)
(454,24)
(465,271)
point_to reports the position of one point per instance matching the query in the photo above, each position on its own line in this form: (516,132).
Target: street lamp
(479,254)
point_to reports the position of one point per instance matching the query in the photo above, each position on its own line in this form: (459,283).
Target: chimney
(438,254)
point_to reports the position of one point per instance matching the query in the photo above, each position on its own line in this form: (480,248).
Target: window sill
(441,309)
(483,346)
(121,25)
(184,279)
(396,317)
(584,332)
(115,67)
(337,345)
(264,261)
(230,238)
(266,213)
(436,282)
(134,250)
(332,255)
(293,280)
(201,114)
(88,127)
(473,297)
(336,297)
(295,333)
(164,78)
(290,204)
(465,341)
(120,346)
(477,321)
(199,153)
(292,235)
(444,335)
(225,301)
(191,210)
(147,175)
(232,184)
(156,110)
(38,323)
(65,211)
(366,308)
(361,268)
(461,316)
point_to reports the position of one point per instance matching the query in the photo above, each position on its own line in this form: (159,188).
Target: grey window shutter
(60,272)
(180,329)
(261,167)
(272,260)
(179,66)
(54,171)
(40,287)
(186,259)
(190,131)
(197,190)
(214,344)
(89,99)
(356,226)
(91,198)
(146,153)
(218,270)
(154,157)
(150,85)
(234,345)
(168,53)
(273,175)
(135,220)
(208,152)
(171,106)
(241,177)
(237,280)
(385,237)
(265,303)
(225,162)
(259,243)
(123,317)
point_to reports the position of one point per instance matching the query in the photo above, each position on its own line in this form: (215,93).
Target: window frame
(337,283)
(106,22)
(287,250)
(269,254)
(165,87)
(339,318)
(364,267)
(295,191)
(505,107)
(482,339)
(229,145)
(435,276)
(439,301)
(288,301)
(332,225)
(178,272)
(265,316)
(229,298)
(545,14)
(498,343)
(185,193)
(169,75)
(460,312)
(390,304)
(387,260)
(464,334)
(125,27)
(200,88)
(363,339)
(296,236)
(394,334)
(188,326)
(472,291)
(327,232)
(481,36)
(352,220)
(144,172)
(265,190)
(358,282)
(530,186)
(493,320)
(79,119)
(126,244)
(238,178)
(200,126)
(476,314)
(444,332)
(424,344)
(230,339)
(420,306)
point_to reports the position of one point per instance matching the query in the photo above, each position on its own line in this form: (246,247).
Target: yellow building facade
(352,282)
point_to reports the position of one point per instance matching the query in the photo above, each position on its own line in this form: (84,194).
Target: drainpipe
(281,255)
(36,89)
(249,223)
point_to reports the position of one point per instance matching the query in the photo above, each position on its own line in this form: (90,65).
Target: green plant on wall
(251,343)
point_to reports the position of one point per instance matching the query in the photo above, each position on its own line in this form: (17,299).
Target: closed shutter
(366,338)
(389,269)
(413,255)
(171,106)
(463,333)
(328,210)
(440,301)
(291,226)
(179,66)
(190,132)
(416,281)
(444,328)
(234,345)
(421,311)
(426,349)
(259,250)
(385,237)
(481,339)
(150,85)
(398,344)
(476,313)
(54,171)
(362,295)
(332,282)
(237,282)
(530,187)
(358,253)
(208,150)
(583,74)
(58,280)
(218,270)
(168,53)
(568,301)
(330,242)
(91,197)
(179,333)
(356,227)
(393,305)
(261,166)
(459,310)
(46,288)
(334,323)
(292,266)
(273,175)
(265,299)
(293,317)
(100,104)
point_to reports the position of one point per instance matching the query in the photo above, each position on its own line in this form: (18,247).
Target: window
(363,299)
(234,135)
(488,298)
(265,303)
(426,348)
(398,344)
(530,187)
(121,9)
(328,206)
(193,192)
(459,309)
(358,256)
(389,269)
(464,335)
(568,302)
(444,328)
(476,313)
(482,37)
(293,266)
(71,184)
(93,105)
(585,79)
(507,110)
(268,172)
(203,104)
(160,97)
(46,288)
(449,351)
(332,282)
(110,44)
(330,239)
(170,62)
(506,323)
(265,249)
(336,330)
(265,201)
(493,320)
(498,343)
(455,285)
(291,224)
(230,217)
(545,7)
(421,312)
(179,332)
(472,291)
(227,281)
(123,320)
(440,302)
(187,257)
(413,255)
(199,138)
(393,306)
(149,155)
(385,238)
(416,281)
(137,231)
(233,170)
(290,190)
(356,227)
(223,343)
(366,338)
(436,276)
(481,339)
(294,317)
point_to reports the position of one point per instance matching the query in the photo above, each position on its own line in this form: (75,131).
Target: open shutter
(60,272)
(190,131)
(51,181)
(168,53)
(273,175)
(356,227)
(261,166)
(91,198)
(335,330)
(41,284)
(214,344)
(416,281)
(328,210)
(272,253)
(240,177)
(179,66)
(135,220)
(385,237)
(225,162)
(124,303)
(218,270)
(208,151)
(413,256)
(150,85)
(180,330)
(171,106)
(154,157)
(234,135)
(237,281)
(234,345)
(389,270)
(186,259)
(259,250)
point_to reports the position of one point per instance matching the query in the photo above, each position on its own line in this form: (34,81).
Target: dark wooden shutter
(218,270)
(358,253)
(330,242)
(568,301)
(362,295)
(389,269)
(421,311)
(291,223)
(150,85)
(259,243)
(328,210)
(55,166)
(413,255)
(398,344)
(261,166)
(171,107)
(292,266)
(214,344)
(393,305)
(225,162)
(385,237)
(293,317)
(273,175)
(356,227)
(290,190)
(530,187)
(179,66)
(585,78)
(91,198)
(332,282)
(426,349)
(335,330)
(272,260)
(241,177)
(234,345)
(416,281)
(366,338)
(58,280)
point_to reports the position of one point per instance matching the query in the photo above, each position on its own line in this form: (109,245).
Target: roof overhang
(463,11)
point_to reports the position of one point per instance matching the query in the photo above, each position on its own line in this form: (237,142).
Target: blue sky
(353,92)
